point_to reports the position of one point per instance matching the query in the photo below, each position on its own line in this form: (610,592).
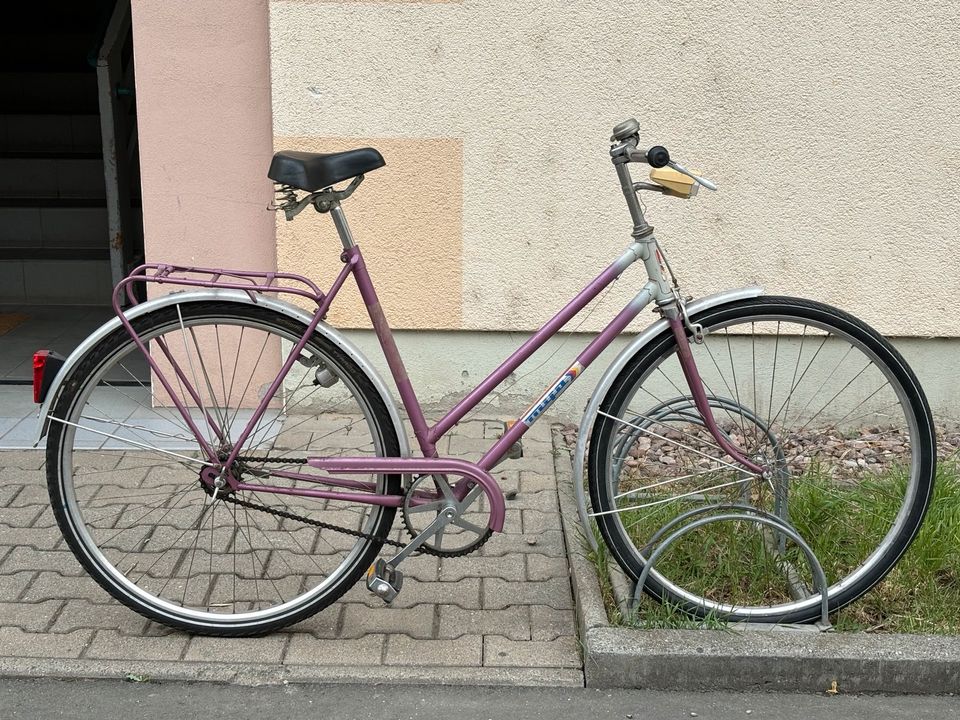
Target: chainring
(461,536)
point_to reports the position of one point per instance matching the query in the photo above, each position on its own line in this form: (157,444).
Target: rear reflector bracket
(46,365)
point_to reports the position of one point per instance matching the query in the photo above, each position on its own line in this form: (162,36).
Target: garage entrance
(70,210)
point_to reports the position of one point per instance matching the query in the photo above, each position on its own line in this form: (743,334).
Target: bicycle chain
(347,531)
(301,518)
(265,458)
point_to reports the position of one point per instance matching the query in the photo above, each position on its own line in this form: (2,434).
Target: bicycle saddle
(314,171)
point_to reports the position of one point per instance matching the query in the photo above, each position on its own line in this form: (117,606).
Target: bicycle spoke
(671,499)
(681,393)
(723,377)
(150,508)
(246,387)
(212,430)
(257,432)
(823,384)
(270,553)
(126,468)
(193,554)
(138,429)
(223,379)
(736,387)
(173,417)
(206,377)
(785,408)
(646,488)
(168,453)
(233,377)
(895,403)
(293,536)
(668,440)
(255,574)
(831,400)
(773,379)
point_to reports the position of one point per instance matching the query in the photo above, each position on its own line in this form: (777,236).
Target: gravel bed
(656,453)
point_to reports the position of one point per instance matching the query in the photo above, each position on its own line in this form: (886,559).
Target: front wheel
(809,392)
(134,497)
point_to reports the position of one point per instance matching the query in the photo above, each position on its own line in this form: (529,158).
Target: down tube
(536,341)
(589,354)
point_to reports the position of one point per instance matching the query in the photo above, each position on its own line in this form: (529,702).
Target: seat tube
(352,255)
(343,229)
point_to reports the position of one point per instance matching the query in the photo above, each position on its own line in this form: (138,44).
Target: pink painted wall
(205,123)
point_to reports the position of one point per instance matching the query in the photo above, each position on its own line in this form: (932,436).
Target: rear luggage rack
(250,282)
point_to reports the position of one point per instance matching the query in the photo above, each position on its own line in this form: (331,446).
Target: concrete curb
(741,660)
(271,674)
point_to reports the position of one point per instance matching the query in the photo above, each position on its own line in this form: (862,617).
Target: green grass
(920,595)
(652,615)
(666,616)
(600,557)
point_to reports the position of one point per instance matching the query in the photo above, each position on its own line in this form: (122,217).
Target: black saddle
(315,171)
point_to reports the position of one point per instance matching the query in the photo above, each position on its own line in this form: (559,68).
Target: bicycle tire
(272,549)
(803,485)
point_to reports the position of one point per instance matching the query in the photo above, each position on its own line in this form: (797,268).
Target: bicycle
(256,475)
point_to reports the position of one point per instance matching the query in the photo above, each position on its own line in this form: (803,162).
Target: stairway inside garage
(55,252)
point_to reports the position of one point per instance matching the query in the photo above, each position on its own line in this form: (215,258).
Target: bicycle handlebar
(658,156)
(709,185)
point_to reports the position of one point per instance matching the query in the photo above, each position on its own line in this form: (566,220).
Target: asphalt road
(109,699)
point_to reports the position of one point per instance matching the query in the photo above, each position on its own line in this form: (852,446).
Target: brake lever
(681,169)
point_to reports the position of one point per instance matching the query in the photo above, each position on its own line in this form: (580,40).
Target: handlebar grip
(658,156)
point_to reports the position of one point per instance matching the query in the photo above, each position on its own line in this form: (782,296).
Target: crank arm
(442,519)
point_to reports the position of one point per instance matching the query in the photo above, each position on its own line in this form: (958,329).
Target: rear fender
(238,296)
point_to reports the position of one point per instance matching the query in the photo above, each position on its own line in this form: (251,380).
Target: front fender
(238,296)
(600,392)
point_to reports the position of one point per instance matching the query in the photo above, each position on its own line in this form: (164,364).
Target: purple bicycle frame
(426,435)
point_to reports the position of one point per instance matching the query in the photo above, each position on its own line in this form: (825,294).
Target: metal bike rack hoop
(748,514)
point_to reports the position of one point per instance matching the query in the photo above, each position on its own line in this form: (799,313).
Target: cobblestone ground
(503,614)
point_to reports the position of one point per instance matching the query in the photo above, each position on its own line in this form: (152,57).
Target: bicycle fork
(676,320)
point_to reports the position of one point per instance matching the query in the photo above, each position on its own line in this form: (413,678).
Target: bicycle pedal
(384,580)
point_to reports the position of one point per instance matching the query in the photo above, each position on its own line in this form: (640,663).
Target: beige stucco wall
(831,128)
(414,240)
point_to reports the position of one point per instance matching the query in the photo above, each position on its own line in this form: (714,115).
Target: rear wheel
(134,494)
(809,392)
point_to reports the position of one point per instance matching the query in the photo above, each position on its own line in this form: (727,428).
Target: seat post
(343,229)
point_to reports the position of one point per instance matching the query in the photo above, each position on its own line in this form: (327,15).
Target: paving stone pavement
(502,615)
